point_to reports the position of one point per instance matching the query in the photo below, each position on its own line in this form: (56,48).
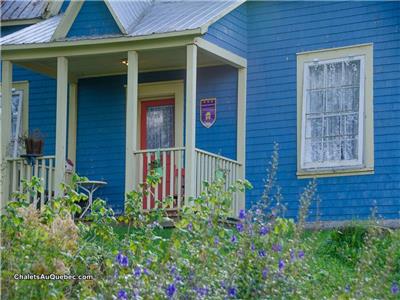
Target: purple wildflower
(252,247)
(146,271)
(239,227)
(172,269)
(148,261)
(258,211)
(137,272)
(119,257)
(395,288)
(277,247)
(292,255)
(201,291)
(170,290)
(261,253)
(281,265)
(216,241)
(265,273)
(242,214)
(122,295)
(124,261)
(232,292)
(233,239)
(347,288)
(190,227)
(264,230)
(300,254)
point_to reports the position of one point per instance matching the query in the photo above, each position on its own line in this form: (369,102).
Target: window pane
(314,128)
(316,76)
(351,98)
(332,148)
(316,101)
(333,99)
(160,127)
(352,72)
(350,149)
(350,123)
(313,150)
(334,74)
(332,126)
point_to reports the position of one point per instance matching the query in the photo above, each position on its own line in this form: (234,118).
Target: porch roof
(159,17)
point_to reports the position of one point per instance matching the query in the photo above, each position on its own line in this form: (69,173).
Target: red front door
(157,132)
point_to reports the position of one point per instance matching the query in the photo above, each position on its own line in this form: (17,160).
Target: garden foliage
(261,255)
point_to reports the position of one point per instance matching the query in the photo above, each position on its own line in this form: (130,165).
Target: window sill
(333,173)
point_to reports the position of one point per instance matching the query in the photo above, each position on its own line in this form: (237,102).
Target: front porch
(185,163)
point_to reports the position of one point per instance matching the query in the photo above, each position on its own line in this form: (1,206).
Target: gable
(94,19)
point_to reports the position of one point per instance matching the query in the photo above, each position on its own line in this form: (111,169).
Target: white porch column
(241,129)
(72,121)
(6,91)
(190,141)
(61,122)
(131,121)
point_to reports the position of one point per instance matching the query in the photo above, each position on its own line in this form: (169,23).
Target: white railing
(208,163)
(171,161)
(19,169)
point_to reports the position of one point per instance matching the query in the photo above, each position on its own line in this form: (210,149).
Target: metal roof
(22,9)
(37,33)
(140,18)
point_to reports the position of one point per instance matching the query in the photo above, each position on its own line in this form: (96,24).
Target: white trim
(346,48)
(131,124)
(190,129)
(61,122)
(72,121)
(5,129)
(241,131)
(357,163)
(223,54)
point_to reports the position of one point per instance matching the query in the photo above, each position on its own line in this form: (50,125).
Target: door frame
(164,90)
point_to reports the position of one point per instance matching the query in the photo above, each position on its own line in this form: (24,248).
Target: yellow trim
(162,89)
(72,121)
(365,50)
(67,20)
(24,87)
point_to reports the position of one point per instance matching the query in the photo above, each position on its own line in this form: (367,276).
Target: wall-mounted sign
(208,112)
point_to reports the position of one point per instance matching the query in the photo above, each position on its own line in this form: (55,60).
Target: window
(334,121)
(19,116)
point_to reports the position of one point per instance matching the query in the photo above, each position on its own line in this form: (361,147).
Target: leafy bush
(207,256)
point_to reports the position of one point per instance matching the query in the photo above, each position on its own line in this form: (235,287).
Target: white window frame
(340,163)
(364,164)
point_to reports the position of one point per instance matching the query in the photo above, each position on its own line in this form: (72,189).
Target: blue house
(117,86)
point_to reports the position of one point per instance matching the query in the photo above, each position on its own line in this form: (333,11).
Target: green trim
(365,50)
(67,20)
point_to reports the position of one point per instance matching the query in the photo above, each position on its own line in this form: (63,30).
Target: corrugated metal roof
(37,33)
(22,9)
(130,12)
(139,17)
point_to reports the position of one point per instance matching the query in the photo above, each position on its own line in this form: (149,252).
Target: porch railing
(43,167)
(208,163)
(171,161)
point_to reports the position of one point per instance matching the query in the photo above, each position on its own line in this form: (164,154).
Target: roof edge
(18,22)
(236,4)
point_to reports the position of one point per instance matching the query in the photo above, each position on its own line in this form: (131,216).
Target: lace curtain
(160,127)
(332,93)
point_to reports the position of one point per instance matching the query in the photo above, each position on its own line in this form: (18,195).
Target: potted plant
(34,143)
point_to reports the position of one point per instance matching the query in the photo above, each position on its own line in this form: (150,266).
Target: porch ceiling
(111,64)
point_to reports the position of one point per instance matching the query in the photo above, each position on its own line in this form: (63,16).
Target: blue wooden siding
(94,19)
(276,32)
(42,93)
(230,32)
(101,124)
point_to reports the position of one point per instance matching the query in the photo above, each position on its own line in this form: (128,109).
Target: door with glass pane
(157,132)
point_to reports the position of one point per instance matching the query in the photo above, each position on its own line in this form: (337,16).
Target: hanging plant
(34,142)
